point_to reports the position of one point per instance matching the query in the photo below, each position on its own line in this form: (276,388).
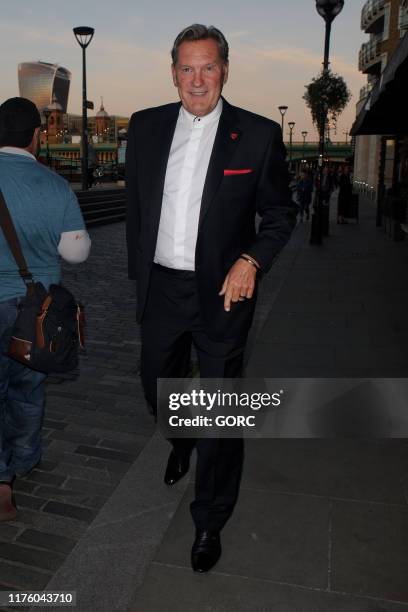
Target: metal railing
(365,189)
(70,169)
(370,53)
(365,91)
(371,11)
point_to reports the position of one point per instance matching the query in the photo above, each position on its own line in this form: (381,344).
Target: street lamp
(282,110)
(304,134)
(84,35)
(291,125)
(47,113)
(328,9)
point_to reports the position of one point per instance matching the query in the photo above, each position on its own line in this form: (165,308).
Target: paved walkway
(320,524)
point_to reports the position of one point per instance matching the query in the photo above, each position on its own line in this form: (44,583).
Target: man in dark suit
(196,175)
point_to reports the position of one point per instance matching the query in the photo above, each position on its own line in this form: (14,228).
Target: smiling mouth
(198,93)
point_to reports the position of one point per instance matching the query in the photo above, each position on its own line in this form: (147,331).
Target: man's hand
(239,284)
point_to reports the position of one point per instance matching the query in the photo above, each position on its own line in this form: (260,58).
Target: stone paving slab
(181,590)
(306,334)
(270,536)
(360,470)
(109,561)
(350,320)
(369,551)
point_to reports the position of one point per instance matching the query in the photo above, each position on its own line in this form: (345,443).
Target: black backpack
(49,328)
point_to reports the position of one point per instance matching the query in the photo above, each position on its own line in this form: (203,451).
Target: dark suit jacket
(228,209)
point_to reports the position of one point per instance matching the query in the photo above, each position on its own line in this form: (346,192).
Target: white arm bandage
(74,246)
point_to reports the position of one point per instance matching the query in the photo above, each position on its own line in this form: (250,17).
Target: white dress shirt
(187,167)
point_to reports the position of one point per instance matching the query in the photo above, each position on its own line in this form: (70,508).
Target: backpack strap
(7,225)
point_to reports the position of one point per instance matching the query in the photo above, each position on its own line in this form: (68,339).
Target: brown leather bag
(49,328)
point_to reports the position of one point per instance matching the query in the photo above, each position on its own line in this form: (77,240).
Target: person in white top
(197,172)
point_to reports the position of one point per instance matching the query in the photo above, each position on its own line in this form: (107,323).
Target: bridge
(67,156)
(334,151)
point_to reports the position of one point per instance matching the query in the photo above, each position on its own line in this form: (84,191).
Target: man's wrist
(250,260)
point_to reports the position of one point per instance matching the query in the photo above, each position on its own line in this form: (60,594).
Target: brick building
(385,22)
(381,127)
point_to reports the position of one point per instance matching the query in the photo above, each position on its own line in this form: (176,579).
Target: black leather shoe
(206,550)
(176,468)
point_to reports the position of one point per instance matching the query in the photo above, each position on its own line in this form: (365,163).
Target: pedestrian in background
(327,185)
(304,190)
(345,194)
(92,165)
(49,224)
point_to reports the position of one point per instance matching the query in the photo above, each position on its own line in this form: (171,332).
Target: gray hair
(197,31)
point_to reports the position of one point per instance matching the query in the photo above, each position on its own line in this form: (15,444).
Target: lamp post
(47,113)
(328,130)
(84,35)
(282,110)
(291,125)
(304,134)
(328,9)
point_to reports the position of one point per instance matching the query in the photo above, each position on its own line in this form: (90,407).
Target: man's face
(199,75)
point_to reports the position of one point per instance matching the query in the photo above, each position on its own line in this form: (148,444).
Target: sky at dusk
(276,47)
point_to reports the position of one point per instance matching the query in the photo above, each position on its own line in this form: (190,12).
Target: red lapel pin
(234,135)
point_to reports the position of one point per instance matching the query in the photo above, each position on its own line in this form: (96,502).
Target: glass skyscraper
(40,82)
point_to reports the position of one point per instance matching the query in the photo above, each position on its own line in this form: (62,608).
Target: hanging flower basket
(326,95)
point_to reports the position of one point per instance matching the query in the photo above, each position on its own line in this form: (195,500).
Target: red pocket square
(241,171)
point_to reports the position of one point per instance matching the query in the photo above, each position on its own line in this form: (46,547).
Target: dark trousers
(171,324)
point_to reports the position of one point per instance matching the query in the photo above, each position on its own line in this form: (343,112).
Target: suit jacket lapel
(226,142)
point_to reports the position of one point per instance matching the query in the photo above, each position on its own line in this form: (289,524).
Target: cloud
(295,56)
(239,34)
(127,75)
(18,31)
(262,77)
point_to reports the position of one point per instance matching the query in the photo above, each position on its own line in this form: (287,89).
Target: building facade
(385,22)
(102,125)
(101,128)
(42,83)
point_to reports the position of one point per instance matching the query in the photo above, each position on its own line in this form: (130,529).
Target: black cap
(19,115)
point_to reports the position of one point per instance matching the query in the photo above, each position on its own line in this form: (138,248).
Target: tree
(327,95)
